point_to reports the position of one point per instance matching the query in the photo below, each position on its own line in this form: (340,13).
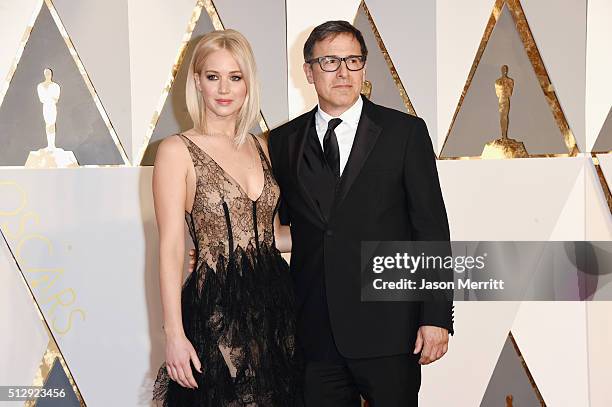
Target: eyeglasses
(331,63)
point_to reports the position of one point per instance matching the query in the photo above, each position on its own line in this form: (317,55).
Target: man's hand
(432,342)
(192,260)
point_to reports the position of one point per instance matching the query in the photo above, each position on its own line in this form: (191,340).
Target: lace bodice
(223,217)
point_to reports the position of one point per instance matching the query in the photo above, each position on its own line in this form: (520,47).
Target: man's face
(337,90)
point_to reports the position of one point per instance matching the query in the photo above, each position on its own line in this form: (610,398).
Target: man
(351,171)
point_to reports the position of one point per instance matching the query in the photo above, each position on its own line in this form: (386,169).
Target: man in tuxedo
(351,171)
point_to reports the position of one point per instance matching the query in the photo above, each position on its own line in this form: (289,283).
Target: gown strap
(262,154)
(191,147)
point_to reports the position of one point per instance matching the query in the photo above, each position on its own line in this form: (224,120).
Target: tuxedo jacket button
(329,232)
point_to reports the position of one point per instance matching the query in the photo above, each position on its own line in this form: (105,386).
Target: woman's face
(222,85)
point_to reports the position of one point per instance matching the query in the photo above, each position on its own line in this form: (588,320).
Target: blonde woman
(230,326)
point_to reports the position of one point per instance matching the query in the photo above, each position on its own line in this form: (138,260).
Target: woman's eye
(236,78)
(211,77)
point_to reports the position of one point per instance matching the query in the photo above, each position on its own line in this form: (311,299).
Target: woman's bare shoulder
(171,148)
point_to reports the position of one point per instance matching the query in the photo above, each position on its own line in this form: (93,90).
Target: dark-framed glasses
(331,63)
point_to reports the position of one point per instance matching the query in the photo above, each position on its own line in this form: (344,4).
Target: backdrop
(78,261)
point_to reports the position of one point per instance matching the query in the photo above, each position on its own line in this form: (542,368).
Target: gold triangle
(522,27)
(80,67)
(211,10)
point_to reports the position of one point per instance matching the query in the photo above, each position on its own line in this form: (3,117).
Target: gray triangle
(384,89)
(174,116)
(531,119)
(509,378)
(79,128)
(269,46)
(603,144)
(58,381)
(99,31)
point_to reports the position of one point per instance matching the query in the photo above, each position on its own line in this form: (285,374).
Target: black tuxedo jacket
(389,190)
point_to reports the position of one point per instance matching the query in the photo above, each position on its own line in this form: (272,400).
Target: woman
(230,327)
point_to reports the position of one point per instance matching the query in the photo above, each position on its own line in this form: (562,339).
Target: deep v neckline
(229,177)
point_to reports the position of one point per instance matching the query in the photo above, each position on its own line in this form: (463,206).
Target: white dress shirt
(345,132)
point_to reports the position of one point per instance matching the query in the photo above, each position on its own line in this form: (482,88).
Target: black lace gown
(238,304)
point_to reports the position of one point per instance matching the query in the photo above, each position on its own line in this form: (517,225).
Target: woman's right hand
(179,353)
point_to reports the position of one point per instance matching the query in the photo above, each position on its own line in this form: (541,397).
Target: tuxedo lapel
(296,147)
(365,138)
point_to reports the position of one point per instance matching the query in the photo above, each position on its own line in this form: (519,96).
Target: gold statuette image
(366,88)
(50,156)
(504,147)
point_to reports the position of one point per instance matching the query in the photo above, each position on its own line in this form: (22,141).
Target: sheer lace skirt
(240,318)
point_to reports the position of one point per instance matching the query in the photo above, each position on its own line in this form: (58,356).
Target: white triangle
(599,315)
(570,224)
(22,349)
(552,340)
(481,196)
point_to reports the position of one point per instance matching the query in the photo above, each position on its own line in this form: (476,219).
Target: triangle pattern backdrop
(81,127)
(387,88)
(20,351)
(53,371)
(269,46)
(100,34)
(173,116)
(603,144)
(535,117)
(603,168)
(511,378)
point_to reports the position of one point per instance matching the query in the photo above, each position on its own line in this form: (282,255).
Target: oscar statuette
(50,156)
(504,147)
(366,88)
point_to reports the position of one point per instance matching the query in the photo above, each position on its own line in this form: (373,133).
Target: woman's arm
(282,236)
(169,195)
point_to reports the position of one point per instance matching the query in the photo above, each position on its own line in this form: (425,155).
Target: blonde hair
(239,47)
